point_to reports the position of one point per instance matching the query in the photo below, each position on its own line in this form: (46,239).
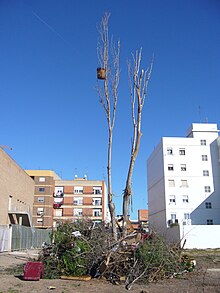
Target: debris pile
(87,249)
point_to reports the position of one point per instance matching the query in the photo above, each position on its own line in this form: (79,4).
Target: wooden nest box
(101,73)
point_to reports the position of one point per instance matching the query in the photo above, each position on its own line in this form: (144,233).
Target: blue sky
(50,110)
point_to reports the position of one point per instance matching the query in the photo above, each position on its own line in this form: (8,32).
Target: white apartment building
(184,186)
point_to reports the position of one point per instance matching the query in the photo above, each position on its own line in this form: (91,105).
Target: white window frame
(78,200)
(97,201)
(205,172)
(207,188)
(169,151)
(185,198)
(170,167)
(97,212)
(42,179)
(77,212)
(172,199)
(173,216)
(59,191)
(97,190)
(183,167)
(204,158)
(184,183)
(40,199)
(39,220)
(40,211)
(171,183)
(182,152)
(78,189)
(58,212)
(186,216)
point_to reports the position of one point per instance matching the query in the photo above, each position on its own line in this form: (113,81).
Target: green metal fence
(28,237)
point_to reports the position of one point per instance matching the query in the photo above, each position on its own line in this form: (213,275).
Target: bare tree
(108,72)
(138,81)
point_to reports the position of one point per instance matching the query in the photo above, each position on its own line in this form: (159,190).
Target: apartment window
(171,183)
(173,217)
(39,220)
(184,183)
(42,179)
(97,190)
(77,212)
(205,173)
(203,142)
(209,222)
(204,158)
(172,199)
(97,213)
(97,201)
(185,198)
(58,212)
(170,167)
(182,152)
(183,167)
(40,199)
(58,191)
(169,151)
(78,189)
(41,189)
(40,211)
(207,188)
(208,205)
(78,201)
(186,216)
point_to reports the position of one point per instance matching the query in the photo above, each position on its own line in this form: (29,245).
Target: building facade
(16,193)
(183,176)
(74,199)
(57,200)
(44,181)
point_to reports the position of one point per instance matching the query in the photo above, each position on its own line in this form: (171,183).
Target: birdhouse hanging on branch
(101,73)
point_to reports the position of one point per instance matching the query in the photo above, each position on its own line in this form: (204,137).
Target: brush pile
(85,248)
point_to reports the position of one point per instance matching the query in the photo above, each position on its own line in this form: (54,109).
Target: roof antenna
(76,176)
(199,110)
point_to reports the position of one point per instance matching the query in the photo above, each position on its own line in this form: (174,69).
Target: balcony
(58,195)
(57,205)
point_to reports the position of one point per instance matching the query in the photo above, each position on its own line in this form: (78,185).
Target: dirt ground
(205,278)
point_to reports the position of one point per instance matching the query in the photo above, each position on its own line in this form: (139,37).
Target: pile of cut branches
(87,248)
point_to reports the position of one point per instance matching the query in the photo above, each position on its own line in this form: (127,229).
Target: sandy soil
(205,278)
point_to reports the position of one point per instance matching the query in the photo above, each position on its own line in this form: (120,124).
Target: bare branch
(108,58)
(138,81)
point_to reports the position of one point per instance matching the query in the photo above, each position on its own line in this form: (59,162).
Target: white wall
(200,236)
(159,191)
(156,196)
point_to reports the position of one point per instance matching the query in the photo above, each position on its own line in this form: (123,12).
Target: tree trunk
(110,201)
(138,90)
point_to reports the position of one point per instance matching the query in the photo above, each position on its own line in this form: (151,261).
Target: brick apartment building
(44,181)
(74,199)
(58,200)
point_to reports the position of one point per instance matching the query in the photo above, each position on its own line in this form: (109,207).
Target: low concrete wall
(4,238)
(200,236)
